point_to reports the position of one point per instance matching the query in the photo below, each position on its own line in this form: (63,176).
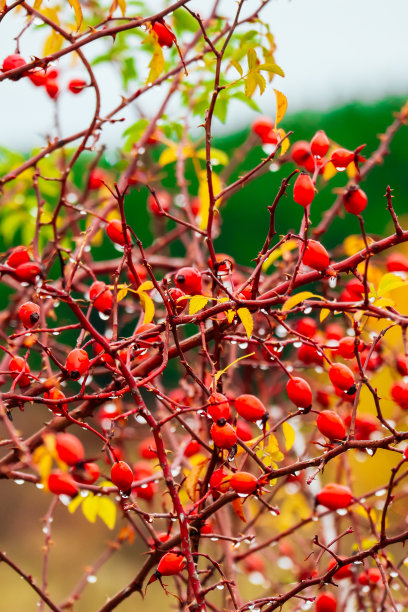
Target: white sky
(332,51)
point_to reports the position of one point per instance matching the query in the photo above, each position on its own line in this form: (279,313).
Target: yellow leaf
(354,243)
(299,297)
(90,507)
(197,302)
(237,505)
(204,196)
(329,171)
(351,170)
(285,143)
(122,293)
(230,314)
(122,6)
(107,511)
(286,247)
(192,479)
(281,106)
(289,434)
(323,314)
(42,458)
(78,12)
(389,282)
(246,320)
(37,4)
(221,372)
(75,503)
(217,156)
(146,286)
(384,302)
(157,62)
(53,43)
(148,306)
(168,156)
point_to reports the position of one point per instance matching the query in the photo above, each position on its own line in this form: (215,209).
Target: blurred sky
(332,51)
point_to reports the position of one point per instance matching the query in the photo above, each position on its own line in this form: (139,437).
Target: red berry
(319,145)
(270,138)
(69,448)
(18,256)
(301,153)
(243,482)
(303,190)
(326,602)
(189,280)
(192,448)
(225,263)
(342,573)
(101,296)
(164,199)
(396,262)
(141,271)
(224,436)
(250,407)
(52,88)
(11,62)
(355,200)
(342,377)
(370,576)
(29,314)
(38,78)
(299,392)
(27,272)
(147,337)
(147,449)
(179,298)
(334,496)
(401,365)
(171,563)
(341,158)
(76,85)
(220,480)
(316,256)
(115,232)
(122,475)
(334,331)
(365,425)
(399,393)
(77,363)
(86,473)
(165,36)
(244,431)
(97,178)
(142,470)
(306,326)
(56,394)
(262,126)
(219,407)
(346,347)
(309,354)
(17,365)
(61,483)
(331,425)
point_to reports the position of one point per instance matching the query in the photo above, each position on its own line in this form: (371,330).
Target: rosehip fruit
(97,177)
(334,496)
(27,272)
(170,564)
(243,482)
(18,256)
(147,449)
(179,298)
(343,572)
(18,365)
(370,576)
(69,448)
(319,145)
(299,392)
(331,425)
(342,377)
(341,158)
(52,88)
(250,407)
(223,435)
(192,448)
(77,363)
(219,407)
(244,431)
(220,480)
(326,602)
(303,190)
(165,36)
(189,280)
(301,152)
(316,256)
(399,393)
(115,232)
(346,347)
(307,327)
(101,296)
(61,483)
(262,126)
(122,475)
(355,200)
(164,200)
(86,473)
(56,394)
(38,78)
(11,62)
(75,86)
(29,314)
(396,262)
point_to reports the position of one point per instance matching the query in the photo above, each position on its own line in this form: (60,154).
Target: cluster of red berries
(40,77)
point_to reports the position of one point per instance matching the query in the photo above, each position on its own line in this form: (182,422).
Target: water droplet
(45,530)
(332,282)
(308,310)
(341,512)
(92,579)
(297,344)
(19,481)
(380,493)
(281,331)
(39,485)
